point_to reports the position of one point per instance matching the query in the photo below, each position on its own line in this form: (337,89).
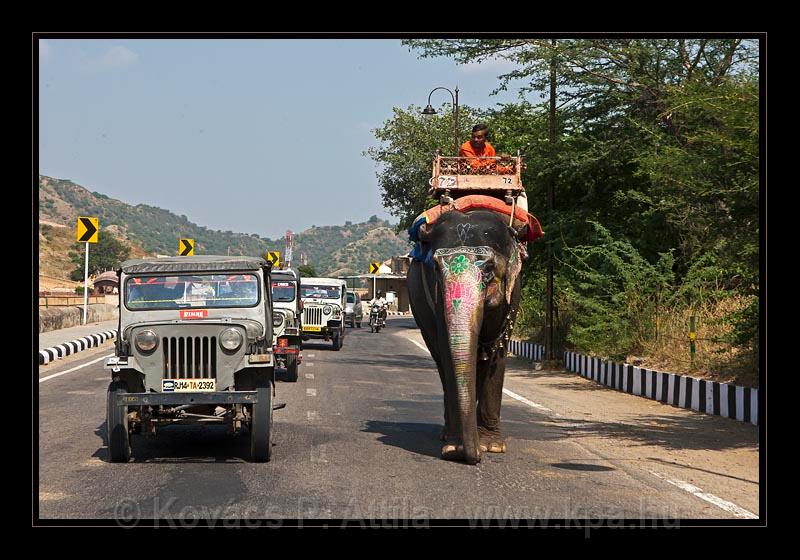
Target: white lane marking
(309,364)
(43,379)
(309,376)
(418,344)
(312,415)
(711,498)
(311,392)
(522,399)
(511,394)
(311,356)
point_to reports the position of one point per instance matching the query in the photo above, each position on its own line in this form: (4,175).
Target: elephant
(465,295)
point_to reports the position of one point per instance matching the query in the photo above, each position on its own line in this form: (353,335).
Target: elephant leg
(490,395)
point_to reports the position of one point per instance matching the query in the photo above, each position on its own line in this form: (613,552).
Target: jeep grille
(190,357)
(312,316)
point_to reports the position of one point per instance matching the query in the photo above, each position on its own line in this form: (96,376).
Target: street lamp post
(429,110)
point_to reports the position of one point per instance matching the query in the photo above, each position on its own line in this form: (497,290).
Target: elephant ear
(514,268)
(424,233)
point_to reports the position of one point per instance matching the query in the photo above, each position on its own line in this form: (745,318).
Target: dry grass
(714,360)
(55,243)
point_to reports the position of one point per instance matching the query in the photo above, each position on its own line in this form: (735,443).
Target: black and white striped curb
(398,312)
(59,351)
(721,399)
(529,350)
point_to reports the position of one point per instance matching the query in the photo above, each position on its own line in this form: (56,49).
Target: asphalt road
(359,439)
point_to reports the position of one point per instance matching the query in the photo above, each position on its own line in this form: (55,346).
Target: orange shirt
(468,150)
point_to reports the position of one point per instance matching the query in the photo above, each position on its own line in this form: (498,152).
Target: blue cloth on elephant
(421,252)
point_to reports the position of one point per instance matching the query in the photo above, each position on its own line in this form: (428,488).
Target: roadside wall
(54,318)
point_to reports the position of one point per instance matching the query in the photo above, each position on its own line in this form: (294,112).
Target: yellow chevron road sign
(87,229)
(186,247)
(274,257)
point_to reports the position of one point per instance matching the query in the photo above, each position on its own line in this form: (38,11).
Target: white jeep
(286,321)
(324,301)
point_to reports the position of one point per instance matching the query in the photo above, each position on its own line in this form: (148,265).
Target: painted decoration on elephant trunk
(465,284)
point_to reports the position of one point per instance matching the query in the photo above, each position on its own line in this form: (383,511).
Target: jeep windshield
(283,291)
(321,292)
(195,290)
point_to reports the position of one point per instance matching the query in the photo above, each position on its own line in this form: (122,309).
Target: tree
(107,254)
(307,271)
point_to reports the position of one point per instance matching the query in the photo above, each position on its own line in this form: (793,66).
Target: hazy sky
(254,136)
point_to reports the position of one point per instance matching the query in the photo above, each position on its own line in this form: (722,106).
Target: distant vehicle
(194,346)
(376,318)
(353,312)
(286,321)
(324,301)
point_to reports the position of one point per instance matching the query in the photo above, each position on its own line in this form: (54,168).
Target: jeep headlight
(146,341)
(230,339)
(277,320)
(327,309)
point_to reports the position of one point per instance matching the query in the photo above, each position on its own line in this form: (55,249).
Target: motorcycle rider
(381,302)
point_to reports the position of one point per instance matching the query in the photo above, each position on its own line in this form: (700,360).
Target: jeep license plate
(313,329)
(188,385)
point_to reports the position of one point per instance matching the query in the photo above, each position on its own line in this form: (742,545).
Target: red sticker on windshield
(194,313)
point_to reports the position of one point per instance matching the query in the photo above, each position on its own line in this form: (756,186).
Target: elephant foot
(491,442)
(451,452)
(493,447)
(448,451)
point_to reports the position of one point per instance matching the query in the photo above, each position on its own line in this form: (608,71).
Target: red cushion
(484,202)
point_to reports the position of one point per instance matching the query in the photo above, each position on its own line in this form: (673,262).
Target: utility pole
(548,331)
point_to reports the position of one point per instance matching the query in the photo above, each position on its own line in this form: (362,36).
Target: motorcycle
(376,319)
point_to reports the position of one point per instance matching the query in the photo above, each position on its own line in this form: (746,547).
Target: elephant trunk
(463,315)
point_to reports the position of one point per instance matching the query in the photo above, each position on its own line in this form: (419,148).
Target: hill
(331,250)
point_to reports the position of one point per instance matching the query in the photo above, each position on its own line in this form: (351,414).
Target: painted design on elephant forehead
(459,264)
(447,251)
(463,230)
